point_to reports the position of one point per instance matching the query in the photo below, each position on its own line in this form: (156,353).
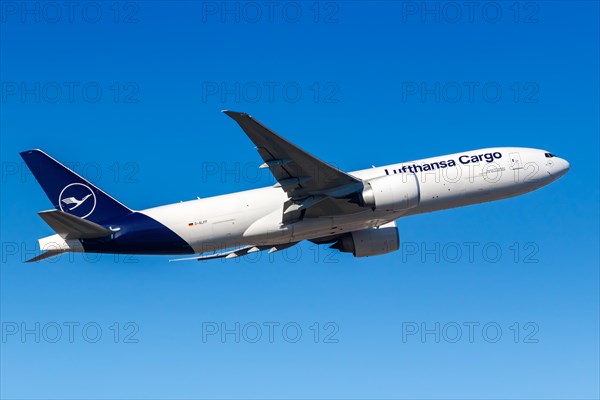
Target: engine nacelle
(371,241)
(391,192)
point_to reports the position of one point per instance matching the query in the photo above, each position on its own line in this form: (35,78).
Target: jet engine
(370,242)
(390,193)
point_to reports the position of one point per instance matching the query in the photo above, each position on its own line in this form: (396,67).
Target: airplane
(354,212)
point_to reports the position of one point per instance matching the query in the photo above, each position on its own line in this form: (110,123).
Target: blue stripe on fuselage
(138,234)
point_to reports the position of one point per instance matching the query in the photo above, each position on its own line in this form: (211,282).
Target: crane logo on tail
(77,199)
(73,200)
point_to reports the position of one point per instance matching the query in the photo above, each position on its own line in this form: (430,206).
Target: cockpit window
(549,155)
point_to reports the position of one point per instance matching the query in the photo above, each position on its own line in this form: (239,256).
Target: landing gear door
(515,161)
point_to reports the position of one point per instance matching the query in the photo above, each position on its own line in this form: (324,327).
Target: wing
(239,252)
(313,186)
(299,173)
(70,200)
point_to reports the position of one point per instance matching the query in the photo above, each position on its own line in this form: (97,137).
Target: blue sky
(498,300)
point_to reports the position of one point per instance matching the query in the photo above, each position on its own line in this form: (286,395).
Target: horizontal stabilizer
(46,254)
(71,227)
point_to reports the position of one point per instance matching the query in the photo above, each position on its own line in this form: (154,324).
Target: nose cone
(560,167)
(566,166)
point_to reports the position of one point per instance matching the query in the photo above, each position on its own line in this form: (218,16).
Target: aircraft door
(515,161)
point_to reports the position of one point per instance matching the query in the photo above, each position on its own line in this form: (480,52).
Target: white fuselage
(255,216)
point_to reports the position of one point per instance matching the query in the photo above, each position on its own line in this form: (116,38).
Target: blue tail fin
(71,193)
